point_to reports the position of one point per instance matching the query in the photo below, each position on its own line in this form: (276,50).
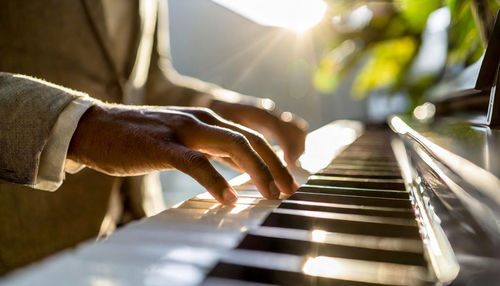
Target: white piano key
(249,192)
(349,217)
(215,220)
(215,281)
(346,239)
(196,204)
(149,253)
(332,267)
(70,270)
(351,179)
(206,197)
(269,260)
(189,235)
(346,206)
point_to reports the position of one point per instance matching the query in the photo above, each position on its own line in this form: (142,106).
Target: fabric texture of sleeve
(29,108)
(53,162)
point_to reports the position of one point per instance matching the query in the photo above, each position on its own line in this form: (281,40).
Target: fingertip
(293,186)
(274,192)
(288,186)
(230,197)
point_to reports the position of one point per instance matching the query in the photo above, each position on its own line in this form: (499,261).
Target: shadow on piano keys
(355,222)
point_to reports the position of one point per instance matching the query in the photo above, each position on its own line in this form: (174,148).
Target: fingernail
(273,190)
(295,186)
(229,196)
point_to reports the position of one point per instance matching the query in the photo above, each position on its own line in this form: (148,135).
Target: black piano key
(364,166)
(368,159)
(359,162)
(354,192)
(357,183)
(262,275)
(220,281)
(352,200)
(360,174)
(400,213)
(340,225)
(346,166)
(308,248)
(273,276)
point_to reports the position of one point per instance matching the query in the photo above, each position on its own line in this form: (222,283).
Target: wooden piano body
(416,204)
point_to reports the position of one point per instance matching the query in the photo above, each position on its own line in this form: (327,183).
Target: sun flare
(295,15)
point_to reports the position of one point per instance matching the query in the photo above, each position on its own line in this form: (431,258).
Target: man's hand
(126,140)
(287,129)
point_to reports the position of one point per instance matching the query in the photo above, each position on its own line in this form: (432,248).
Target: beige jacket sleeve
(53,163)
(29,110)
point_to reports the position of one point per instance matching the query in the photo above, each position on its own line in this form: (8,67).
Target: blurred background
(211,41)
(326,59)
(214,43)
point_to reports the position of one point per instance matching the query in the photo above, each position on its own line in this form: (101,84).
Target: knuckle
(264,169)
(257,138)
(239,140)
(206,111)
(206,115)
(186,120)
(196,160)
(166,135)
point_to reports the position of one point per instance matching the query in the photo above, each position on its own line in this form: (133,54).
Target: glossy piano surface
(478,144)
(454,167)
(358,221)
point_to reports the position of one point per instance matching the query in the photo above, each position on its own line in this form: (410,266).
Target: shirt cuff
(53,160)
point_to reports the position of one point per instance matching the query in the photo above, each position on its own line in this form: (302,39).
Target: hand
(287,129)
(126,140)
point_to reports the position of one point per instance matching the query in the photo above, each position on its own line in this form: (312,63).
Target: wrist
(83,136)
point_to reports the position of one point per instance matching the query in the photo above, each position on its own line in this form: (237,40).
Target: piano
(409,202)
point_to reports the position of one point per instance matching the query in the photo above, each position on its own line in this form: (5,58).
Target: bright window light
(296,15)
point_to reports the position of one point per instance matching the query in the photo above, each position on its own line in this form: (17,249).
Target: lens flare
(295,15)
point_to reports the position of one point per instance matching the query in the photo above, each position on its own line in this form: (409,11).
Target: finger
(290,132)
(292,151)
(197,166)
(284,180)
(224,142)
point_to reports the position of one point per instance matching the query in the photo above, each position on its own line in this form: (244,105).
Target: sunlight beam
(295,15)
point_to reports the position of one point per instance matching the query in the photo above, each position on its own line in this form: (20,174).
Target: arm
(130,140)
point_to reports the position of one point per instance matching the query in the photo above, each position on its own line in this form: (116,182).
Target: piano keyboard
(352,223)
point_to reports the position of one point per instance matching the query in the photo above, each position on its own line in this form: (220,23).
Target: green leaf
(386,63)
(416,12)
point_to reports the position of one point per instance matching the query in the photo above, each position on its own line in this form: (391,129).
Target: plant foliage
(379,42)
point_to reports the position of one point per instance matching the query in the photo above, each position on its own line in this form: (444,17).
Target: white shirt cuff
(53,162)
